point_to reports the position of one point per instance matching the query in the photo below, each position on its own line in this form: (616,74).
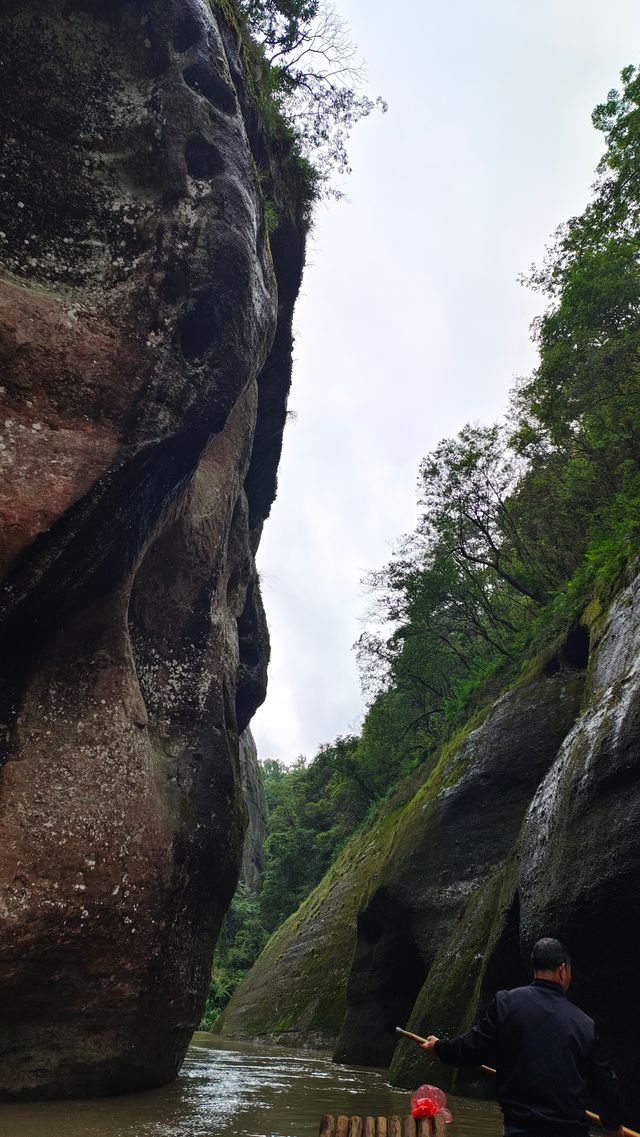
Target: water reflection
(237,1090)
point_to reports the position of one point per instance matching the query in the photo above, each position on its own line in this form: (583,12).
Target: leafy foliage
(314,78)
(242,938)
(522,521)
(312,810)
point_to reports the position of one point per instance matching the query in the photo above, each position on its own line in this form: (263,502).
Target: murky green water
(236,1090)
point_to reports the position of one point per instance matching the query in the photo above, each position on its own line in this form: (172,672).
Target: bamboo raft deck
(381,1126)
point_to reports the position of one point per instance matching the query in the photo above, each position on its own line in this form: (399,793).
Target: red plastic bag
(427,1101)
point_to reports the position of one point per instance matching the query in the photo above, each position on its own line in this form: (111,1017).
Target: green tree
(315,77)
(241,940)
(584,397)
(313,808)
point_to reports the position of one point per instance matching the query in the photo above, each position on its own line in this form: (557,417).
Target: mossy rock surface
(352,960)
(527,825)
(481,956)
(580,852)
(296,992)
(457,832)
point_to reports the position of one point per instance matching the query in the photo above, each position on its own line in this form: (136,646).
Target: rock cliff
(145,352)
(350,964)
(527,826)
(580,849)
(256,803)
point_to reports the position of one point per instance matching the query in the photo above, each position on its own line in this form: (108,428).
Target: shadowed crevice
(204,81)
(386,975)
(202,159)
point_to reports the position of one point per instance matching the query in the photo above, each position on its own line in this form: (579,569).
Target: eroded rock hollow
(145,347)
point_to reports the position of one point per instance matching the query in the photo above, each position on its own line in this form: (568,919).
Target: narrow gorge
(528,824)
(145,348)
(160,161)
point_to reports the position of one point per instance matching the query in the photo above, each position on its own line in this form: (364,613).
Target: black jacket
(548,1060)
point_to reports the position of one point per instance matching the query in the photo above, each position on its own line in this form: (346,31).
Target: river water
(237,1090)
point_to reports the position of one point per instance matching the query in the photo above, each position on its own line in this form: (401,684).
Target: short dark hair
(548,954)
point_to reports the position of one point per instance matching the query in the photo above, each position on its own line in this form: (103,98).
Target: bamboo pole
(489,1070)
(342,1126)
(410,1034)
(381,1127)
(626,1131)
(592,1116)
(328,1126)
(394,1128)
(369,1127)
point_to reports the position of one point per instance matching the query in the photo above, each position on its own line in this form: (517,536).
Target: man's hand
(430,1042)
(614,1132)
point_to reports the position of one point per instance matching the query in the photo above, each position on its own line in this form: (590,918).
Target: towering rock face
(459,841)
(580,852)
(527,826)
(256,803)
(145,363)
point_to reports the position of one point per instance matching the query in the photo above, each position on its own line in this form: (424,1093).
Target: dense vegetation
(523,523)
(306,78)
(313,809)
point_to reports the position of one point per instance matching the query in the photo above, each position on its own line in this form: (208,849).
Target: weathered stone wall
(256,803)
(527,826)
(461,837)
(352,962)
(580,850)
(145,345)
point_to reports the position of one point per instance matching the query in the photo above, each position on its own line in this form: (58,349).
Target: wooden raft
(382,1126)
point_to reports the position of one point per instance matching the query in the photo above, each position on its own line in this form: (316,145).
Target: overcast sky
(411,321)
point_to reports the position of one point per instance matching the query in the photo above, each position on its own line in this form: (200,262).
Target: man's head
(551,960)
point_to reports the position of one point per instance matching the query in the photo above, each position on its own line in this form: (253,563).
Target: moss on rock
(296,991)
(357,952)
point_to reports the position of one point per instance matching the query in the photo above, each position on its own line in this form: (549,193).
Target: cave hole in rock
(185,33)
(200,77)
(576,649)
(386,976)
(202,158)
(199,328)
(573,654)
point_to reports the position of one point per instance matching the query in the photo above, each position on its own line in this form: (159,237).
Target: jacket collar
(548,985)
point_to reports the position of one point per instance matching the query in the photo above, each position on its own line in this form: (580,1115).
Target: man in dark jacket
(547,1054)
